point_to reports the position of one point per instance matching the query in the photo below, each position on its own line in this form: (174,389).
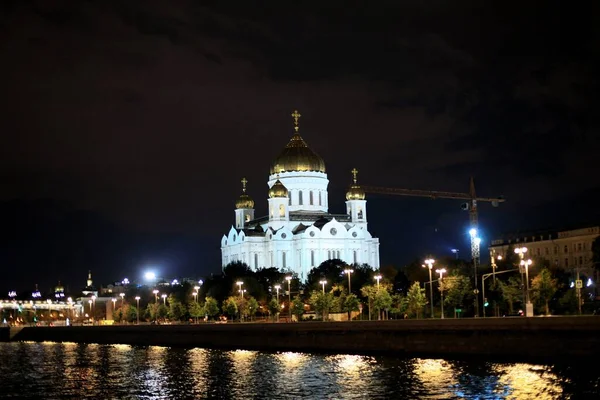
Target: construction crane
(470,206)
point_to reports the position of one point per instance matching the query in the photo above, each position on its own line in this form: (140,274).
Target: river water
(75,371)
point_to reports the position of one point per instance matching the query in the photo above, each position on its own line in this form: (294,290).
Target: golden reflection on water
(154,378)
(352,373)
(528,381)
(291,360)
(199,368)
(434,373)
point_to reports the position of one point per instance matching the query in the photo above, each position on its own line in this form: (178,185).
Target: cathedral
(299,233)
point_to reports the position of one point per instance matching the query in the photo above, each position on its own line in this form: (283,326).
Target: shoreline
(526,339)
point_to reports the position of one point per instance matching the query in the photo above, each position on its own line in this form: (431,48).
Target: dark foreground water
(69,370)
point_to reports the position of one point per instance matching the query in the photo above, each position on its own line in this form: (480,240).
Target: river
(74,371)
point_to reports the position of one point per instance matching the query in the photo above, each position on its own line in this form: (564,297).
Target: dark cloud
(149,112)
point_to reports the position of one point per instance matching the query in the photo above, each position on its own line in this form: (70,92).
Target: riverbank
(517,338)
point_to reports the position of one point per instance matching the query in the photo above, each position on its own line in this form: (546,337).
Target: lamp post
(289,281)
(114,301)
(137,299)
(155,291)
(475,243)
(441,271)
(521,251)
(197,289)
(93,309)
(525,264)
(429,264)
(91,314)
(164,297)
(349,271)
(277,287)
(378,278)
(323,283)
(122,298)
(240,283)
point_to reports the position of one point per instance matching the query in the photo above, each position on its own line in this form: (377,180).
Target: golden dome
(355,192)
(244,201)
(278,190)
(297,156)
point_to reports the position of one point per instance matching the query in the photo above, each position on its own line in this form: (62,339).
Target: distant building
(567,249)
(90,289)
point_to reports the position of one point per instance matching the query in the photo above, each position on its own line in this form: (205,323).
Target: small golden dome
(297,156)
(244,201)
(355,192)
(278,190)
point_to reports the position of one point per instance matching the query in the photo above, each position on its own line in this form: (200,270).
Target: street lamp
(475,242)
(155,291)
(137,299)
(323,283)
(377,278)
(164,297)
(277,287)
(521,251)
(91,314)
(195,294)
(114,301)
(122,298)
(289,280)
(429,264)
(441,271)
(93,308)
(349,271)
(525,264)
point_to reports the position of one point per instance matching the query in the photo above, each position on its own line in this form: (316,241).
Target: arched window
(312,258)
(310,198)
(255,261)
(355,258)
(360,213)
(320,202)
(299,197)
(247,217)
(281,210)
(283,260)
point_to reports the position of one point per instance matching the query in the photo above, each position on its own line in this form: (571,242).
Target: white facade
(298,232)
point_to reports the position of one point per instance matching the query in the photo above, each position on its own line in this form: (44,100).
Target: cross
(244,181)
(354,173)
(296,115)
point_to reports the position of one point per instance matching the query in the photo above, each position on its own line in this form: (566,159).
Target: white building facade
(299,233)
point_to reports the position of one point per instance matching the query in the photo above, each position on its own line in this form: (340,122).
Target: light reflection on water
(68,370)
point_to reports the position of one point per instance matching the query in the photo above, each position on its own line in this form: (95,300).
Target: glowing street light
(289,280)
(429,264)
(122,297)
(525,264)
(114,301)
(277,287)
(349,271)
(195,294)
(164,297)
(323,283)
(155,291)
(377,278)
(137,299)
(441,271)
(150,276)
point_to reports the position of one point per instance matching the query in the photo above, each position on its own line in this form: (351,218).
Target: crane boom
(433,194)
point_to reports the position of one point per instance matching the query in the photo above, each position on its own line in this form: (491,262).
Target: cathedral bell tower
(279,213)
(244,208)
(356,205)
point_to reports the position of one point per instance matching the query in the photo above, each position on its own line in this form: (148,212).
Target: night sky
(127,125)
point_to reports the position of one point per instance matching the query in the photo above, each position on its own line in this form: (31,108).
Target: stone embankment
(518,338)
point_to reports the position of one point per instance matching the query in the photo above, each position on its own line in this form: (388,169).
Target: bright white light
(150,276)
(572,284)
(477,241)
(589,282)
(201,282)
(125,281)
(473,232)
(175,282)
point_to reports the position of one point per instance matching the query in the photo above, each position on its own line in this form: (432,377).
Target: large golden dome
(297,156)
(355,192)
(278,190)
(244,201)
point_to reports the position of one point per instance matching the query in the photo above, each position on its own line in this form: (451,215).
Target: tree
(399,304)
(252,307)
(298,308)
(118,315)
(211,307)
(176,309)
(350,304)
(273,307)
(230,306)
(196,310)
(163,311)
(132,313)
(456,289)
(369,291)
(416,299)
(511,292)
(382,301)
(321,302)
(152,311)
(544,287)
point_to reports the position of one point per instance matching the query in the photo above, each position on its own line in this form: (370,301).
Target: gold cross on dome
(354,173)
(296,115)
(244,181)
